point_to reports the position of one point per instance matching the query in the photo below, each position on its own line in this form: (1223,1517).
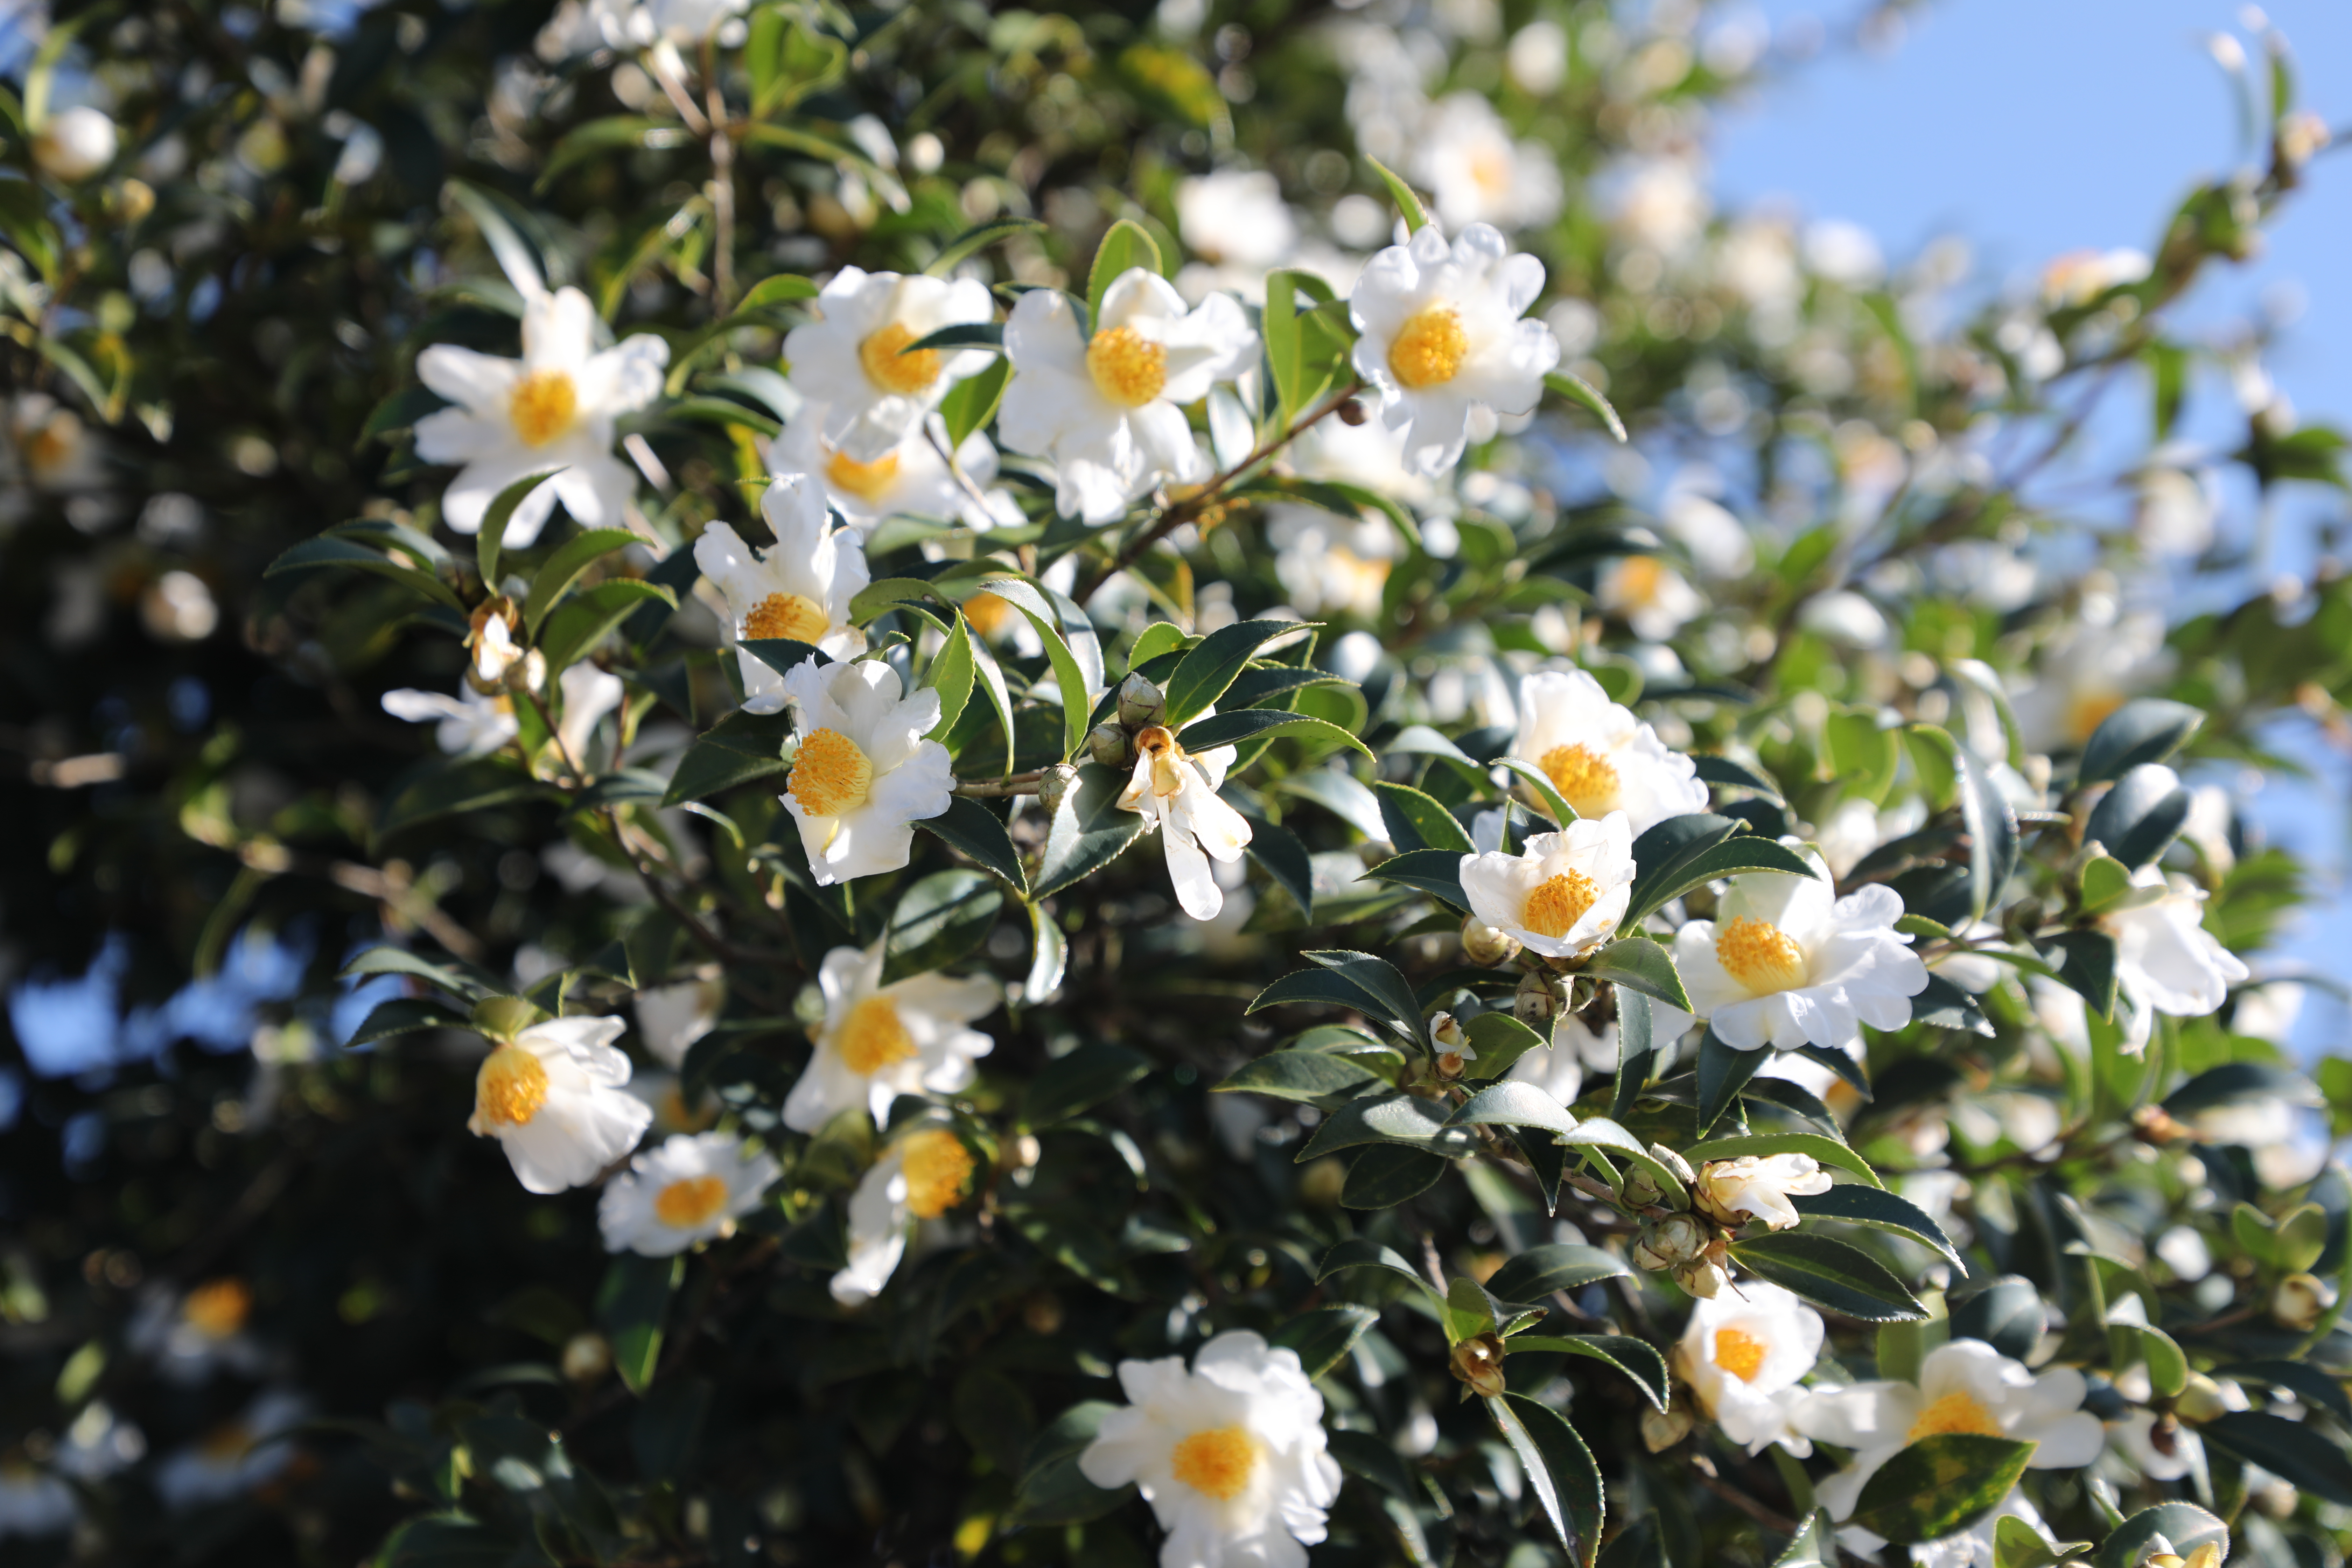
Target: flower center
(1428,350)
(510,1088)
(1156,742)
(1759,956)
(1954,1413)
(1129,368)
(2087,711)
(830,775)
(543,406)
(1585,779)
(938,1169)
(690,1202)
(1738,1353)
(1638,579)
(867,481)
(872,1037)
(1216,1463)
(1490,170)
(1558,902)
(987,613)
(889,367)
(218,1309)
(48,448)
(793,615)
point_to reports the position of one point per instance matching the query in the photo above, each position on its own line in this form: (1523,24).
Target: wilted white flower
(878,1042)
(920,1176)
(1465,154)
(863,772)
(1757,1187)
(1231,1455)
(2166,961)
(1564,894)
(553,1097)
(1743,1357)
(471,724)
(1599,756)
(74,144)
(910,479)
(798,588)
(1176,791)
(685,1190)
(552,409)
(853,363)
(1442,344)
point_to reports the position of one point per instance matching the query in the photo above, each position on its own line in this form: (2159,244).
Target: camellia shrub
(919,785)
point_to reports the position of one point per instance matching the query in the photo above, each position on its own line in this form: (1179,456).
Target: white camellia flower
(552,409)
(74,144)
(588,693)
(2087,672)
(920,1176)
(1786,963)
(1465,154)
(1964,1387)
(798,588)
(496,650)
(863,773)
(910,479)
(1599,756)
(1442,344)
(852,358)
(1328,567)
(47,446)
(1230,1455)
(1176,791)
(1757,1187)
(1649,597)
(471,724)
(670,1019)
(1564,893)
(685,1190)
(1743,1355)
(1109,409)
(2166,961)
(1235,217)
(553,1097)
(878,1042)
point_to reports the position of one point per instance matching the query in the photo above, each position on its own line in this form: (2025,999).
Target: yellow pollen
(1585,779)
(872,1037)
(48,448)
(2085,713)
(830,775)
(793,615)
(543,406)
(1490,169)
(218,1308)
(867,481)
(891,368)
(1954,1413)
(510,1088)
(1759,956)
(937,1170)
(987,613)
(1128,368)
(1216,1463)
(1558,902)
(1168,771)
(1429,349)
(1638,578)
(690,1202)
(1738,1353)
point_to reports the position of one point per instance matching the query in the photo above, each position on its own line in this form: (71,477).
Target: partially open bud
(2205,1400)
(2299,1301)
(1453,1048)
(1757,1187)
(1484,945)
(1661,1430)
(1671,1242)
(1479,1364)
(1141,703)
(1539,1000)
(1112,746)
(1055,785)
(1704,1279)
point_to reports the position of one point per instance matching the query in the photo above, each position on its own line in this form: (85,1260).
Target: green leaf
(2294,1452)
(1209,667)
(1939,1486)
(1376,980)
(1287,861)
(1679,858)
(1600,1132)
(1070,678)
(961,335)
(2106,881)
(610,135)
(1387,1175)
(404,1016)
(1361,1253)
(776,289)
(970,826)
(1049,957)
(399,412)
(1417,822)
(977,238)
(1500,1041)
(447,787)
(1992,834)
(2086,963)
(1852,1204)
(2145,730)
(1299,1075)
(1468,1311)
(1637,1050)
(1415,218)
(1437,872)
(1815,1545)
(1088,832)
(1389,1117)
(1560,1467)
(2234,1083)
(389,960)
(973,402)
(1577,390)
(1053,1489)
(939,921)
(1825,1150)
(738,749)
(630,1305)
(317,554)
(574,631)
(1278,328)
(491,536)
(1245,724)
(1863,756)
(1638,964)
(1637,1358)
(2017,1544)
(1555,1265)
(1723,1071)
(1324,1337)
(1540,783)
(1512,1103)
(2139,815)
(723,413)
(2306,1382)
(2184,1525)
(1069,1085)
(1125,247)
(574,556)
(950,674)
(1830,1274)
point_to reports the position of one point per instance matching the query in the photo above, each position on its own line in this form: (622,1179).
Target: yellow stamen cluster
(543,406)
(873,1037)
(1759,956)
(1160,743)
(793,615)
(938,1169)
(1738,1353)
(867,481)
(2085,713)
(988,613)
(1638,579)
(1954,1413)
(830,775)
(1429,349)
(1585,779)
(690,1202)
(1216,1462)
(218,1308)
(891,368)
(510,1088)
(1558,902)
(1129,368)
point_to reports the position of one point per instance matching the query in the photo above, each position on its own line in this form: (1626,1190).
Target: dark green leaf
(1579,391)
(2306,1382)
(1637,1358)
(782,655)
(1387,1175)
(1512,1103)
(2295,1453)
(575,629)
(2145,730)
(630,1306)
(1377,982)
(1566,1480)
(1437,872)
(1637,1050)
(1500,1041)
(1638,964)
(1053,1489)
(1939,1486)
(961,335)
(1723,1071)
(1830,1274)
(1210,666)
(1087,833)
(1854,1204)
(1947,1006)
(574,556)
(1262,723)
(1069,1085)
(1359,1253)
(314,555)
(2233,1083)
(1555,1265)
(1992,835)
(2085,961)
(608,137)
(446,787)
(1301,1074)
(2007,1314)
(973,402)
(970,826)
(951,672)
(1324,1337)
(1815,1545)
(2141,814)
(2184,1525)
(1417,822)
(407,1015)
(939,921)
(977,238)
(740,748)
(1389,1118)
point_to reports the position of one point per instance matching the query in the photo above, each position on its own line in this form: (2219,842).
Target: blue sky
(2032,128)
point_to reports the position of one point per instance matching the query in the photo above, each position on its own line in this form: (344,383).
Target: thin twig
(722,188)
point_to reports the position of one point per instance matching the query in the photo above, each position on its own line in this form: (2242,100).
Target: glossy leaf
(1417,822)
(1939,1486)
(1437,872)
(1639,964)
(1125,247)
(572,557)
(939,921)
(973,828)
(1512,1103)
(1324,1337)
(1387,1175)
(1416,217)
(1829,1273)
(1210,666)
(1245,724)
(2183,1524)
(1301,1074)
(1069,1085)
(2145,730)
(1638,1359)
(1586,396)
(1853,1203)
(1088,832)
(2294,1452)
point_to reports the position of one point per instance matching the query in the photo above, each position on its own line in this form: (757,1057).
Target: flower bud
(1704,1279)
(134,200)
(2205,1400)
(1642,1190)
(1141,703)
(1661,1430)
(2300,1301)
(586,1357)
(1671,1242)
(1112,746)
(1353,413)
(1453,1048)
(1055,785)
(1541,999)
(1479,1362)
(1484,945)
(74,144)
(2301,136)
(1757,1187)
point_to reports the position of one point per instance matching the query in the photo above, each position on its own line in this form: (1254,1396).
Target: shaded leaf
(1939,1486)
(1829,1273)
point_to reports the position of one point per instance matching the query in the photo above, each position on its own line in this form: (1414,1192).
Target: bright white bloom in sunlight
(471,725)
(552,1095)
(1599,756)
(588,693)
(910,479)
(1648,595)
(1465,154)
(1230,1455)
(1238,216)
(863,774)
(2079,277)
(1786,963)
(1743,1357)
(2166,961)
(1328,567)
(1109,410)
(878,1042)
(552,408)
(1964,1387)
(1564,893)
(1370,455)
(1442,344)
(1661,202)
(1575,1052)
(853,359)
(920,1176)
(74,144)
(1857,826)
(1176,791)
(798,588)
(496,651)
(684,1191)
(670,1019)
(2087,672)
(1757,1187)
